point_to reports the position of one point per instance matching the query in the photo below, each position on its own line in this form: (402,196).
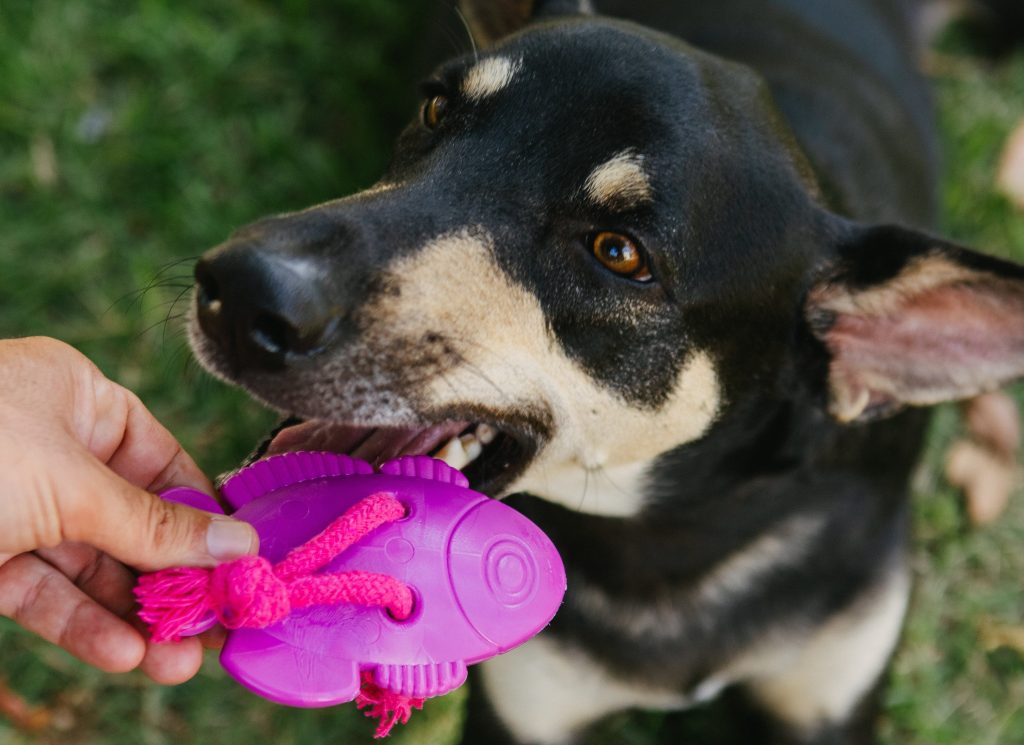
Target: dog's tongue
(373,444)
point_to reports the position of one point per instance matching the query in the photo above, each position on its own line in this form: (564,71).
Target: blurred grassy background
(134,136)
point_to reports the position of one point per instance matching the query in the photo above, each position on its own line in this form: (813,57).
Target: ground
(131,140)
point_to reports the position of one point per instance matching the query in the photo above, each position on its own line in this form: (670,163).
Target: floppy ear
(492,20)
(911,320)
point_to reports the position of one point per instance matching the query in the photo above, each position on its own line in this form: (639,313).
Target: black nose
(263,308)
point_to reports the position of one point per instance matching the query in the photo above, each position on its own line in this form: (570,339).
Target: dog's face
(592,243)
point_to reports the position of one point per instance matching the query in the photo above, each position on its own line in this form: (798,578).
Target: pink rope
(387,707)
(360,519)
(251,593)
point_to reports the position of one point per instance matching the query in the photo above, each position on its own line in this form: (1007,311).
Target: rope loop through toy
(252,593)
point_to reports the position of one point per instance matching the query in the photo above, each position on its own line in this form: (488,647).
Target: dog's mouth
(490,455)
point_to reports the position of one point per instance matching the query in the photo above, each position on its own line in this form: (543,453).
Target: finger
(108,582)
(145,531)
(169,663)
(173,663)
(214,638)
(37,596)
(130,440)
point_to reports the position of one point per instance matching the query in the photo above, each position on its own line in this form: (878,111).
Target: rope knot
(246,593)
(252,593)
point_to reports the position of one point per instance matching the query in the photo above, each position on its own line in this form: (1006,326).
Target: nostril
(272,333)
(208,289)
(278,336)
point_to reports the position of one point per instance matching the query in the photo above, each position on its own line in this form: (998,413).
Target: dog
(661,278)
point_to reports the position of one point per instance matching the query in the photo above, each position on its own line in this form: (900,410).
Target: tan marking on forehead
(620,183)
(489,76)
(511,360)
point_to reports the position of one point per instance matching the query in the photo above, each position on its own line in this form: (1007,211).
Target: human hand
(79,458)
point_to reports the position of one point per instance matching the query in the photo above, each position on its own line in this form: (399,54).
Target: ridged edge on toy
(288,469)
(421,681)
(425,467)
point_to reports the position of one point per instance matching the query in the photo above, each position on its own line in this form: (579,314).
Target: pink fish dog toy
(375,586)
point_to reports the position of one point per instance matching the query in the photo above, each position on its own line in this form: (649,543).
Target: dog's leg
(546,693)
(828,694)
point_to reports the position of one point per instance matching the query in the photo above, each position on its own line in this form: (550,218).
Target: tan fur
(840,662)
(489,76)
(920,276)
(545,692)
(511,361)
(620,183)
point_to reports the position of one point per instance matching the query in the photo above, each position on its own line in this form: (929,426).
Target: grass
(134,137)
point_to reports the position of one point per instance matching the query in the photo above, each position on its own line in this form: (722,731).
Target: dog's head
(593,243)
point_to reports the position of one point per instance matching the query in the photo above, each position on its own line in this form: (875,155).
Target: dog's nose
(261,307)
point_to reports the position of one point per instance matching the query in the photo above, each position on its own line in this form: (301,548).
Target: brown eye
(433,109)
(621,255)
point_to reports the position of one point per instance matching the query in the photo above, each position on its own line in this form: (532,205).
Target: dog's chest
(683,631)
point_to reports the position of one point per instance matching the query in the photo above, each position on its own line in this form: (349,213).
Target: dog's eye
(621,255)
(433,109)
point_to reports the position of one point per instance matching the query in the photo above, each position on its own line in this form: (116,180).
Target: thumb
(149,533)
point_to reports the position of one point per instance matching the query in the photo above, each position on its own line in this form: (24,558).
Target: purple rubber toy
(484,579)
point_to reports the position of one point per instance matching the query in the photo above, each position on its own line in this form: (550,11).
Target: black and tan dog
(654,292)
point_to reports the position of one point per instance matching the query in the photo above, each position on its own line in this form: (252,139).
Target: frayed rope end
(173,600)
(387,707)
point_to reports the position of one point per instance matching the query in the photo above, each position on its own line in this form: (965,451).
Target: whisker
(179,355)
(586,488)
(450,36)
(154,325)
(135,296)
(469,32)
(476,370)
(175,262)
(447,381)
(610,480)
(170,310)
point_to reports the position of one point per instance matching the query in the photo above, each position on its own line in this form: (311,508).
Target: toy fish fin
(284,673)
(190,497)
(288,469)
(421,681)
(425,467)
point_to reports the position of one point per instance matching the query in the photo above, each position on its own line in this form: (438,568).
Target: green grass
(134,136)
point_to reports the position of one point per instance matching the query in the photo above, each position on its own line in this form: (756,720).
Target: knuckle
(166,530)
(90,571)
(68,629)
(26,609)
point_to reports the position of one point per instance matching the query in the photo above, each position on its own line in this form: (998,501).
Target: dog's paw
(986,480)
(1010,180)
(984,466)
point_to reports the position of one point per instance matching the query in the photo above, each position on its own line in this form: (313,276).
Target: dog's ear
(491,20)
(912,320)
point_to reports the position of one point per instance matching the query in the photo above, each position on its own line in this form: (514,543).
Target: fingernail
(228,539)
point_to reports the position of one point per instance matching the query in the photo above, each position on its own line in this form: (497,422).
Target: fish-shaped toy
(453,576)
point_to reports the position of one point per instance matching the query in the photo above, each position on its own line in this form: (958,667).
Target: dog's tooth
(453,453)
(486,433)
(472,446)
